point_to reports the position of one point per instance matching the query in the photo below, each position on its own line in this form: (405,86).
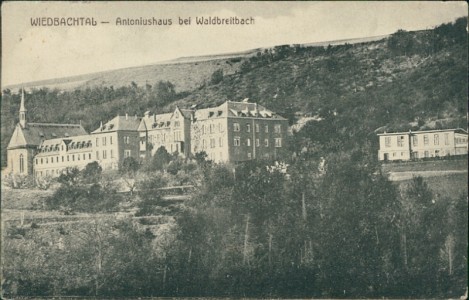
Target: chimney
(126,116)
(147,114)
(135,116)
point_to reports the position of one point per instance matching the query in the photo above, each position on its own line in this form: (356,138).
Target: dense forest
(324,222)
(329,226)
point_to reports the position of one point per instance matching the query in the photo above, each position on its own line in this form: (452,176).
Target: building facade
(27,138)
(422,144)
(238,131)
(116,140)
(230,132)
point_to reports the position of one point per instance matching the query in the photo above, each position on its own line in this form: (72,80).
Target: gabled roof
(237,109)
(34,133)
(456,130)
(158,121)
(52,146)
(127,123)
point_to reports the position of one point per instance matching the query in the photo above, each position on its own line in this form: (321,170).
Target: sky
(31,53)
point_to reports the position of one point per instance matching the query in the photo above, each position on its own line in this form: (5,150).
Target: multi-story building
(27,138)
(116,140)
(170,130)
(238,131)
(230,132)
(55,155)
(422,144)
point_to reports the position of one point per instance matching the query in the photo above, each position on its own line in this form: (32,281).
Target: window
(21,163)
(112,154)
(220,127)
(249,155)
(400,141)
(68,158)
(436,139)
(278,142)
(176,124)
(258,143)
(236,127)
(212,128)
(415,140)
(220,142)
(425,140)
(266,142)
(104,154)
(426,153)
(437,153)
(47,160)
(78,156)
(248,127)
(84,156)
(248,142)
(127,139)
(237,141)
(97,154)
(212,143)
(387,141)
(42,161)
(266,128)
(104,141)
(73,157)
(89,156)
(110,140)
(277,128)
(62,159)
(97,142)
(203,129)
(126,153)
(446,138)
(257,127)
(37,161)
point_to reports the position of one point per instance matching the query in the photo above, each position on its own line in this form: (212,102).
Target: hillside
(409,80)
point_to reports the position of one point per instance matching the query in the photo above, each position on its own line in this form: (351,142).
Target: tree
(129,166)
(92,172)
(160,159)
(216,77)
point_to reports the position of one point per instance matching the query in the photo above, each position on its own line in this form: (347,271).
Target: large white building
(422,144)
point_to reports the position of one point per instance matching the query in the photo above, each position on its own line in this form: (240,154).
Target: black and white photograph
(234,149)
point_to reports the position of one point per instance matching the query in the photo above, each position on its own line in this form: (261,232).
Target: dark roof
(120,123)
(35,133)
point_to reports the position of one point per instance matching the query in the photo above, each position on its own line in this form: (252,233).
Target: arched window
(21,163)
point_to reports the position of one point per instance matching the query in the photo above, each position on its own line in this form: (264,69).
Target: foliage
(217,77)
(160,159)
(129,166)
(92,172)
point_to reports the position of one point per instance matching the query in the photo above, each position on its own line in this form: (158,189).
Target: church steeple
(22,110)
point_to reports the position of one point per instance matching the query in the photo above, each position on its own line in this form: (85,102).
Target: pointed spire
(22,107)
(22,110)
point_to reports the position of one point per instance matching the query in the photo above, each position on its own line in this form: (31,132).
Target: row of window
(422,154)
(237,142)
(277,128)
(163,138)
(104,140)
(211,128)
(415,140)
(70,157)
(104,154)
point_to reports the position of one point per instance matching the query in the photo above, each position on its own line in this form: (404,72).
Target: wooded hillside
(408,80)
